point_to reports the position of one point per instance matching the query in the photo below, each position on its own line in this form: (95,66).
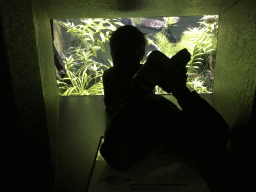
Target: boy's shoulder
(108,73)
(108,70)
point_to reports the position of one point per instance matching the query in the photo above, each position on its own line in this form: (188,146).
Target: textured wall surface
(61,9)
(236,63)
(27,35)
(31,158)
(47,73)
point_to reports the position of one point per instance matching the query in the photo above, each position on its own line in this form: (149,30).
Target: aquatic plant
(80,82)
(80,68)
(197,85)
(85,74)
(199,42)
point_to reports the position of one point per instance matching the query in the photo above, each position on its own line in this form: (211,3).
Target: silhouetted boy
(140,120)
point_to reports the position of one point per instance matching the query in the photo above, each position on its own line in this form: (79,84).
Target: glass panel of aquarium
(82,52)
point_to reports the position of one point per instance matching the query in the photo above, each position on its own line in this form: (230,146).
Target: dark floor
(82,122)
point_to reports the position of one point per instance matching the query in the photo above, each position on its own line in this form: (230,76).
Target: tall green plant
(80,56)
(199,43)
(198,46)
(81,81)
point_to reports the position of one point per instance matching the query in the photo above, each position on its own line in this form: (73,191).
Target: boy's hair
(127,43)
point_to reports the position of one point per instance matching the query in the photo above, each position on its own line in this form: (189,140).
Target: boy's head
(127,45)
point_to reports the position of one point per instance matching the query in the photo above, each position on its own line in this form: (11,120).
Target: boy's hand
(177,80)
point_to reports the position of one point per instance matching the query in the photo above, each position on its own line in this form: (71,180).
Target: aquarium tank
(82,52)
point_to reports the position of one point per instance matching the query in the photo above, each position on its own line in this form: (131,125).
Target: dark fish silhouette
(210,20)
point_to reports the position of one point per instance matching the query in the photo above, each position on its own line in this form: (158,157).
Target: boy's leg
(190,132)
(123,145)
(205,138)
(127,126)
(143,113)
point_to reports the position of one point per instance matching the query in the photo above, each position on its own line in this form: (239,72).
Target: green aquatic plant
(80,82)
(198,46)
(89,31)
(199,42)
(91,35)
(197,85)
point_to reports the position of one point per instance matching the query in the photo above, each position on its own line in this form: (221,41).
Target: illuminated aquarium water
(82,51)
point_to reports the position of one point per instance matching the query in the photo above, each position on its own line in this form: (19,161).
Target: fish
(152,24)
(149,53)
(210,60)
(192,75)
(210,20)
(209,74)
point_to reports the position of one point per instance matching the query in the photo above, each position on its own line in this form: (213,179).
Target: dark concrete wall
(35,96)
(44,46)
(235,71)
